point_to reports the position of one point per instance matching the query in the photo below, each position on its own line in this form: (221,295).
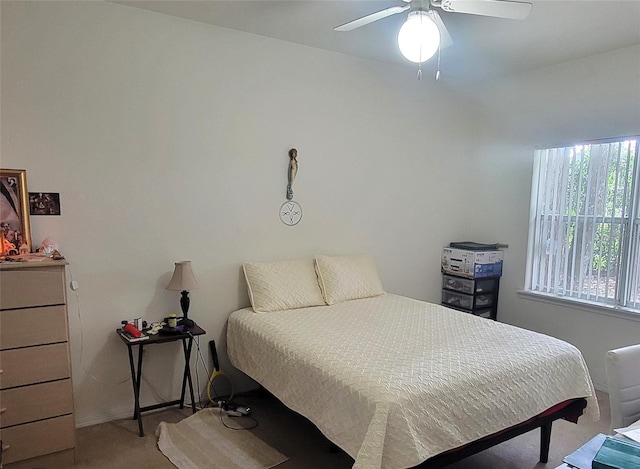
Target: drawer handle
(3,410)
(5,447)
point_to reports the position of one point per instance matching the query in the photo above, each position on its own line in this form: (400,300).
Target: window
(584,234)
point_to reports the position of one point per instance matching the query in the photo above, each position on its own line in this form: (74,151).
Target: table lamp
(183,280)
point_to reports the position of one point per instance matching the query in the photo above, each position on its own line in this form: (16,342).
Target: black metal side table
(136,371)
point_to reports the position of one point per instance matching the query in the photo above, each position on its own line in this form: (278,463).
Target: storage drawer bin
(478,296)
(484,301)
(469,286)
(484,313)
(458,284)
(486,284)
(458,300)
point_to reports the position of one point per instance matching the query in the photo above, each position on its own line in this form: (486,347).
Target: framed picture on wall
(15,230)
(44,203)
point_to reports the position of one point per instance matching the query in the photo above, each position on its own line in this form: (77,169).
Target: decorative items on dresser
(37,424)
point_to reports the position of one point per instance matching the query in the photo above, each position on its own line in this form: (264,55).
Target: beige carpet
(202,441)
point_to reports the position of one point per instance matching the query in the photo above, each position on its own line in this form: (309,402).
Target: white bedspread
(394,381)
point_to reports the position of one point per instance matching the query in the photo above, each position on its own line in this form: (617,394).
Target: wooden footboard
(569,410)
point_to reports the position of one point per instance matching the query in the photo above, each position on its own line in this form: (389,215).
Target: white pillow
(280,285)
(345,278)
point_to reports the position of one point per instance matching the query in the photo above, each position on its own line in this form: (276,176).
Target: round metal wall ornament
(290,213)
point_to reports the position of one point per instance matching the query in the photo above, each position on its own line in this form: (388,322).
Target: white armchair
(623,379)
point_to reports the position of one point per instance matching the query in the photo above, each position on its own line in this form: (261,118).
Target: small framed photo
(14,211)
(44,203)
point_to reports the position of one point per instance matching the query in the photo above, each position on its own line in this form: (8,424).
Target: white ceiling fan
(424,32)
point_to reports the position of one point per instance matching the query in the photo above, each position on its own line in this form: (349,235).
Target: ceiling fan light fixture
(419,37)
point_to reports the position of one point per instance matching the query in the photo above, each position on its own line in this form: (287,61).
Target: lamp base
(184,303)
(186,322)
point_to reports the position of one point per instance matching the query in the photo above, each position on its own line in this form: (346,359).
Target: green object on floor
(617,453)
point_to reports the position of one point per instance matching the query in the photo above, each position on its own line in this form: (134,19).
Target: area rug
(202,441)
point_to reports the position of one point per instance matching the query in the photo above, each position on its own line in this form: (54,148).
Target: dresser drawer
(33,326)
(37,402)
(59,460)
(37,438)
(34,365)
(32,287)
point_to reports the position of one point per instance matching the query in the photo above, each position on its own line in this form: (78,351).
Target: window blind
(586,230)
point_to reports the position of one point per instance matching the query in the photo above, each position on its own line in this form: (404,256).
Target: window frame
(618,306)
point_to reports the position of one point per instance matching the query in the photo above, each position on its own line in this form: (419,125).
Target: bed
(396,382)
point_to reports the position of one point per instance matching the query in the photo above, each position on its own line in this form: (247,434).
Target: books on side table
(131,338)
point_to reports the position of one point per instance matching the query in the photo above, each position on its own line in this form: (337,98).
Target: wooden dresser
(37,425)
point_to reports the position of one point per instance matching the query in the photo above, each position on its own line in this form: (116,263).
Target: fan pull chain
(438,70)
(420,57)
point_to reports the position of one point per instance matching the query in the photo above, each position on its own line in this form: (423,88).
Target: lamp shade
(183,277)
(419,37)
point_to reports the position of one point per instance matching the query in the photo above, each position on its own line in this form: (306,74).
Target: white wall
(167,140)
(591,98)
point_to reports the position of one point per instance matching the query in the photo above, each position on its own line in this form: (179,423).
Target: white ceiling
(556,31)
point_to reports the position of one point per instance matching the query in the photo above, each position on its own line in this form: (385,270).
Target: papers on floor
(632,432)
(583,456)
(617,453)
(606,450)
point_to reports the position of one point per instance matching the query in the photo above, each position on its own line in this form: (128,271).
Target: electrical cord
(199,402)
(206,369)
(214,399)
(222,412)
(156,393)
(224,407)
(162,398)
(82,341)
(200,360)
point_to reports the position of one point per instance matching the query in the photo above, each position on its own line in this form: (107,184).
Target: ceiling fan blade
(497,8)
(445,38)
(371,18)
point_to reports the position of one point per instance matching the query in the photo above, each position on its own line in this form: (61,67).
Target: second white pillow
(345,278)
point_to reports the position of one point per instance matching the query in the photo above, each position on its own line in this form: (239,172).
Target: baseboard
(601,387)
(120,414)
(94,419)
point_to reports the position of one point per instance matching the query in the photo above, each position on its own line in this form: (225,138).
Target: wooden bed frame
(568,410)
